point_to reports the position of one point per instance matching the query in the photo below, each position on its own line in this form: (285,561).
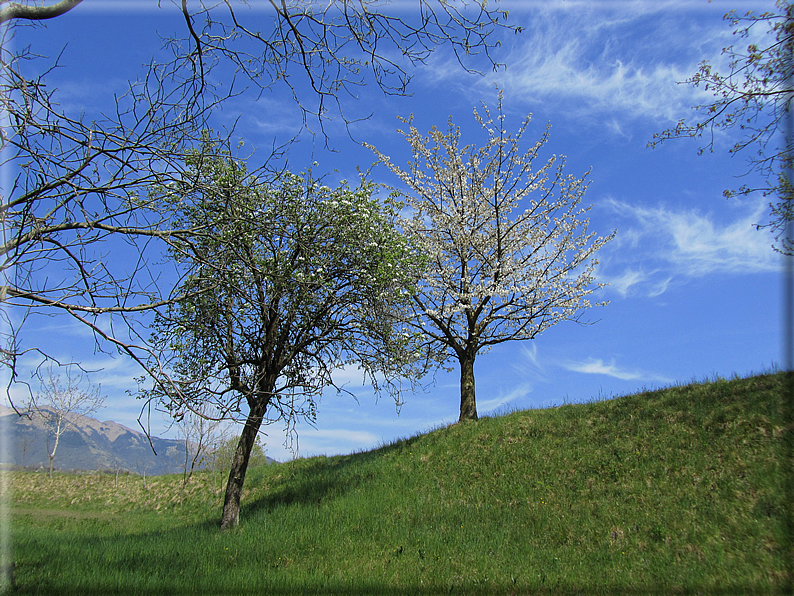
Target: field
(679,490)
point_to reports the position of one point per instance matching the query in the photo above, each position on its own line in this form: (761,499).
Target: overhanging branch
(36,13)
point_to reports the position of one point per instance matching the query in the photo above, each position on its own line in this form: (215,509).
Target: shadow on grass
(315,481)
(318,479)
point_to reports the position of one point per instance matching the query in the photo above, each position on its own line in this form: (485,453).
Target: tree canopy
(75,197)
(286,281)
(494,274)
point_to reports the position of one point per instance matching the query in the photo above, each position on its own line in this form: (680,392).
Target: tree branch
(36,13)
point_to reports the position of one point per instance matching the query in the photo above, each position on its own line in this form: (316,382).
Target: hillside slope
(669,491)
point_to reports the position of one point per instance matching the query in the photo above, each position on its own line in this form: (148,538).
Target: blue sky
(695,291)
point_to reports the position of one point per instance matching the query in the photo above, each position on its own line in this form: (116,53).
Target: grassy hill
(672,491)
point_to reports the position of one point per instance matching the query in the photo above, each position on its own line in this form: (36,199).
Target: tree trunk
(234,488)
(468,407)
(58,432)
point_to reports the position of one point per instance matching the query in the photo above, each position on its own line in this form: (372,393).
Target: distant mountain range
(88,444)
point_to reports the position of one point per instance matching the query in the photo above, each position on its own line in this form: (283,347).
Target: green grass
(672,491)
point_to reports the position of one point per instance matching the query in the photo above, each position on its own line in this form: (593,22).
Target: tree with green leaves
(287,281)
(752,97)
(70,203)
(493,274)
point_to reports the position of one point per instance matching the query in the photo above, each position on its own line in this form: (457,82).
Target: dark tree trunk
(468,407)
(234,488)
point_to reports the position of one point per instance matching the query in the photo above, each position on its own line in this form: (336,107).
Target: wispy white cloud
(529,364)
(597,366)
(605,62)
(652,284)
(622,282)
(614,86)
(529,353)
(333,436)
(657,245)
(517,392)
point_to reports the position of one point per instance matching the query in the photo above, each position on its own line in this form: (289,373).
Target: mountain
(87,444)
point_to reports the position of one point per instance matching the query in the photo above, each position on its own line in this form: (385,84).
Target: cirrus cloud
(656,245)
(597,366)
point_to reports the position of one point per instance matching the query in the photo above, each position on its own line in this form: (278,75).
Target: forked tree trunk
(234,488)
(468,406)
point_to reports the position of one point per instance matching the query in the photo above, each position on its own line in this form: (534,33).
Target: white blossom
(507,244)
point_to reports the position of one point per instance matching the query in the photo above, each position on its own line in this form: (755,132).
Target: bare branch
(14,10)
(753,98)
(78,198)
(61,405)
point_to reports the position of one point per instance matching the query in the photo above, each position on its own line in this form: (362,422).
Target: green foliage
(672,491)
(219,459)
(284,281)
